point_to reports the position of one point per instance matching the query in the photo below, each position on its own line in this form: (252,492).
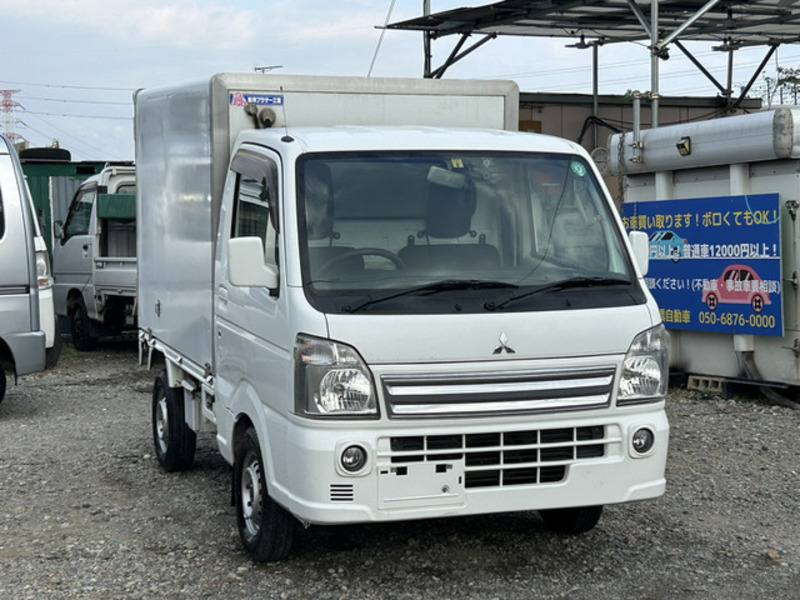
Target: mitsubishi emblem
(503,347)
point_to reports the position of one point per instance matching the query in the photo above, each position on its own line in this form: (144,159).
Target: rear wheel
(265,528)
(571,521)
(174,440)
(711,301)
(82,337)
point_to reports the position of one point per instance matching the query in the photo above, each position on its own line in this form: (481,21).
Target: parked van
(22,340)
(94,257)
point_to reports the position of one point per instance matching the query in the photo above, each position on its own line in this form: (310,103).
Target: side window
(126,188)
(255,205)
(80,213)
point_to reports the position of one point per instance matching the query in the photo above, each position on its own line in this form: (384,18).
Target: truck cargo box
(184,134)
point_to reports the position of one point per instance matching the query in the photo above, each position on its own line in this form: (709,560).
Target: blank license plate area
(420,485)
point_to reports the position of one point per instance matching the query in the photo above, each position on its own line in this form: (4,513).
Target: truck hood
(479,337)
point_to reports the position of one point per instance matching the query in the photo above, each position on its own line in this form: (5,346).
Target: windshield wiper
(446,285)
(571,283)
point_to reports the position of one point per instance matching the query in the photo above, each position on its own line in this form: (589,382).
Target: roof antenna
(286,137)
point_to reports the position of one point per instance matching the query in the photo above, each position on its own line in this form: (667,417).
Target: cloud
(181,23)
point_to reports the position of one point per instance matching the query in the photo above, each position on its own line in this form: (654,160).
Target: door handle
(222,297)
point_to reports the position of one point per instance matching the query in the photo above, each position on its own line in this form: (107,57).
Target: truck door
(252,337)
(72,255)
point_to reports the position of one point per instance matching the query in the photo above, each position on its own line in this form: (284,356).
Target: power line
(70,87)
(48,114)
(129,103)
(74,139)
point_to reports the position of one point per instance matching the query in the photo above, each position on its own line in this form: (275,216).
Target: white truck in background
(22,341)
(94,257)
(389,305)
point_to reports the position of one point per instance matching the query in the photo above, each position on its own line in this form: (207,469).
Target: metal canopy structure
(731,24)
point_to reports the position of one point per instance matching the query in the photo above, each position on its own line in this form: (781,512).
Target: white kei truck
(94,257)
(22,340)
(389,305)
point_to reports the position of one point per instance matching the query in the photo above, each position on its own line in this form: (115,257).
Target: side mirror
(246,264)
(58,230)
(641,249)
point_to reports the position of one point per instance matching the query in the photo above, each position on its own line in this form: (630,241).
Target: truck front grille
(496,393)
(525,457)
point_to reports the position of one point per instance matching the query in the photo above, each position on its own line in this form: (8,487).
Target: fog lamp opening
(353,459)
(643,440)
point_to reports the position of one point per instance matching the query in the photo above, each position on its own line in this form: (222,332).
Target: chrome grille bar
(436,395)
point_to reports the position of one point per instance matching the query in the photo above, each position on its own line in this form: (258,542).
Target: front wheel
(265,528)
(2,383)
(571,521)
(82,337)
(175,442)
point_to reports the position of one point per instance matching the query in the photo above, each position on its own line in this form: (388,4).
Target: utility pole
(7,106)
(426,40)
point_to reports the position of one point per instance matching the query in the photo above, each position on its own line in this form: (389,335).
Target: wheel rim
(251,494)
(162,425)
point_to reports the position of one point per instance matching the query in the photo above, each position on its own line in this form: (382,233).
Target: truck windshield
(419,232)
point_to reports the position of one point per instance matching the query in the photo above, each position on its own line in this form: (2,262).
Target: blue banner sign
(714,262)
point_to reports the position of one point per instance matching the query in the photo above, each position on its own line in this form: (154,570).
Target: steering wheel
(356,252)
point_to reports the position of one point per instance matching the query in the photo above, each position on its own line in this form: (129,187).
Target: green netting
(116,206)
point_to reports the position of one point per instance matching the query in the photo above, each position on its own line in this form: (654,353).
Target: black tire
(2,383)
(571,521)
(45,155)
(82,337)
(174,440)
(265,528)
(52,354)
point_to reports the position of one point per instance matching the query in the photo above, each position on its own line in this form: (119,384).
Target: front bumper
(465,468)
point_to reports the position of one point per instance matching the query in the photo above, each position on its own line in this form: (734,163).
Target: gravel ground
(86,512)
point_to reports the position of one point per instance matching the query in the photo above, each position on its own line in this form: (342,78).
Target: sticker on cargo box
(245,98)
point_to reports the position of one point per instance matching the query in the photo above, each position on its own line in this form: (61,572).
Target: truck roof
(352,138)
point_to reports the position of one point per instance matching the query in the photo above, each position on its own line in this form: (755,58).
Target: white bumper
(424,471)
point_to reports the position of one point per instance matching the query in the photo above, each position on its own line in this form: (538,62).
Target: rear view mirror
(58,230)
(443,177)
(641,249)
(246,265)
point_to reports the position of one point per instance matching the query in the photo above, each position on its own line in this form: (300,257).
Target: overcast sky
(76,63)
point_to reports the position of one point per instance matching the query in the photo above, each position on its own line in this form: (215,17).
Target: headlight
(43,271)
(645,370)
(331,379)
